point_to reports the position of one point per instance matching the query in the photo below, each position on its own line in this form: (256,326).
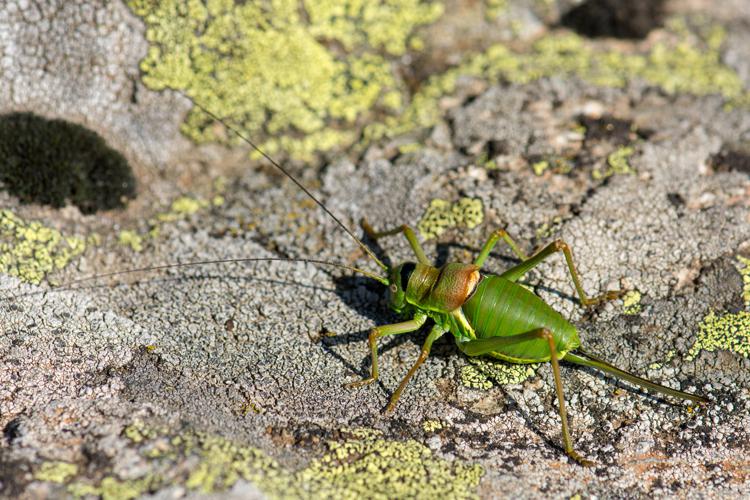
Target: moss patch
(615,18)
(55,162)
(30,250)
(442,215)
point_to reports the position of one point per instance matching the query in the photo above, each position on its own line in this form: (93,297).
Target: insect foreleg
(516,272)
(486,346)
(382,331)
(492,241)
(435,333)
(408,232)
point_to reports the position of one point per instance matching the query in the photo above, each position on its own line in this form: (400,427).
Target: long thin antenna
(70,284)
(290,176)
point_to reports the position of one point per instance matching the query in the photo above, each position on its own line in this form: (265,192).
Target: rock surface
(227,379)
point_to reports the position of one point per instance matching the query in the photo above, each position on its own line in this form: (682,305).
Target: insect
(492,315)
(488,315)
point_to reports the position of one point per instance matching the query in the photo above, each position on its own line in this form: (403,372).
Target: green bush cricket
(489,315)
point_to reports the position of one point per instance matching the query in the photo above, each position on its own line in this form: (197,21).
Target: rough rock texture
(227,379)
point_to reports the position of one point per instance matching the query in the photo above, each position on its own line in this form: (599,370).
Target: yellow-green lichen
(556,164)
(680,64)
(187,206)
(138,432)
(411,147)
(540,166)
(56,472)
(729,332)
(283,68)
(131,239)
(249,407)
(617,163)
(432,425)
(223,463)
(494,8)
(182,207)
(368,466)
(631,302)
(442,215)
(483,373)
(30,250)
(111,488)
(658,365)
(547,229)
(471,377)
(242,61)
(743,266)
(362,465)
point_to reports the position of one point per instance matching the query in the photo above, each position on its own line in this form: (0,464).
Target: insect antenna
(273,162)
(71,285)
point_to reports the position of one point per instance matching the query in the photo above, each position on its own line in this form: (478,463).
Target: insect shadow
(348,290)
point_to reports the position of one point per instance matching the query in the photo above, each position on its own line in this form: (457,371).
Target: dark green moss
(732,158)
(55,162)
(615,18)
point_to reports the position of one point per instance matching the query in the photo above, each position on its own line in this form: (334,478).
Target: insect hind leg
(518,271)
(479,347)
(492,241)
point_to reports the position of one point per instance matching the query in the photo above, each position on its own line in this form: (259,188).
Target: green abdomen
(501,308)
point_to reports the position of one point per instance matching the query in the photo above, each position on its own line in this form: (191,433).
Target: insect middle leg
(492,241)
(485,346)
(435,333)
(381,331)
(518,271)
(408,232)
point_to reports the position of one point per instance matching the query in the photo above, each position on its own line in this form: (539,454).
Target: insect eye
(406,271)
